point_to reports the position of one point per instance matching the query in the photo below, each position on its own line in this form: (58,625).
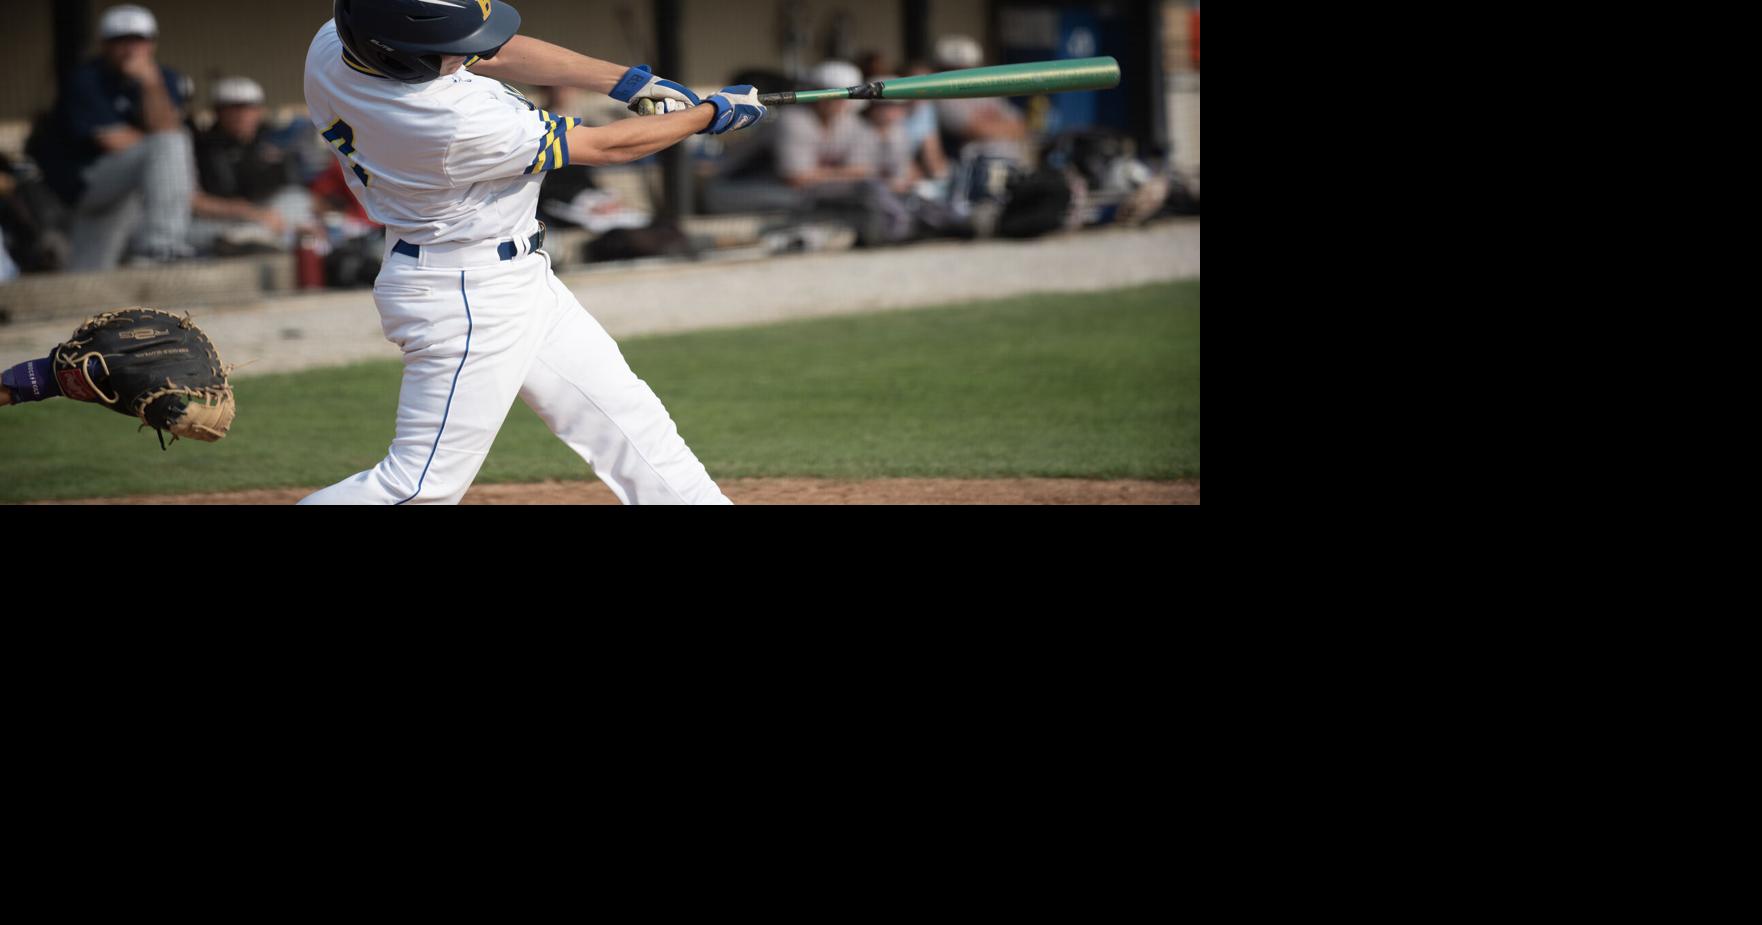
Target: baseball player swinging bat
(1003,80)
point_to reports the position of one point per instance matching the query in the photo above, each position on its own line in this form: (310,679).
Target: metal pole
(72,21)
(915,23)
(678,189)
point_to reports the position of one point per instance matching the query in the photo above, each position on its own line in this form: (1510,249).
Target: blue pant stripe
(450,390)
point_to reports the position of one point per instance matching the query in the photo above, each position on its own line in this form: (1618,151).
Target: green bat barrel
(1004,80)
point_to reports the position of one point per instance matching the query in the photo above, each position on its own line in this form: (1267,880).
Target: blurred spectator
(116,149)
(8,270)
(249,196)
(570,196)
(988,127)
(334,197)
(825,142)
(896,159)
(900,163)
(873,64)
(30,218)
(829,154)
(923,130)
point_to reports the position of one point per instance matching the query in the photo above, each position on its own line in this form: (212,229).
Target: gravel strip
(327,329)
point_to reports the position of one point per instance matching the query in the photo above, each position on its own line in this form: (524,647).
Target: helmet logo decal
(485,5)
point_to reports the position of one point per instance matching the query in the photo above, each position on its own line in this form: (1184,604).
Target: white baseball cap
(828,75)
(127,19)
(237,91)
(957,52)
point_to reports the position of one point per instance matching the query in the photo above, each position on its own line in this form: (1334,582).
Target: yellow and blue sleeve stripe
(553,149)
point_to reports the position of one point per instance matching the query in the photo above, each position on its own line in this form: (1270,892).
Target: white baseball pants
(476,332)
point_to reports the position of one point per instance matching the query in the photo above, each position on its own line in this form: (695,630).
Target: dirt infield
(777,491)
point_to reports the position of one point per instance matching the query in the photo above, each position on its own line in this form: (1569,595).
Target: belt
(507,250)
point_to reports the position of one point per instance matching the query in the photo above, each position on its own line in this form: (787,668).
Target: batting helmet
(405,39)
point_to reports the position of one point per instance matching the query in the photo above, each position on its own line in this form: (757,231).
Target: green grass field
(1099,385)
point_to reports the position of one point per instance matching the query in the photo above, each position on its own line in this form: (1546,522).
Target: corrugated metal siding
(27,47)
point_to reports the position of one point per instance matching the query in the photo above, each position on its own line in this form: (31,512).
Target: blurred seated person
(920,115)
(332,196)
(825,142)
(30,219)
(249,195)
(874,64)
(8,269)
(987,127)
(904,157)
(924,132)
(116,151)
(570,196)
(831,156)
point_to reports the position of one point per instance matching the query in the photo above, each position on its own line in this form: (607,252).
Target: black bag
(33,219)
(661,239)
(1037,204)
(355,262)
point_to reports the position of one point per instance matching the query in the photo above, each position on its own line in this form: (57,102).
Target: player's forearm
(820,175)
(633,139)
(119,138)
(534,61)
(157,110)
(206,205)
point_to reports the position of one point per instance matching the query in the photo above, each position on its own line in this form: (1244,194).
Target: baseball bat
(1003,80)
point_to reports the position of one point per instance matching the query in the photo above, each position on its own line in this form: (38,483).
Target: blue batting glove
(736,108)
(639,83)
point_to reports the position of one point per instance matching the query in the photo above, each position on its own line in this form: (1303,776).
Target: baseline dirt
(776,491)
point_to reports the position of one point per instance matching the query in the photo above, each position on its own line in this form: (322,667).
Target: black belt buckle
(538,240)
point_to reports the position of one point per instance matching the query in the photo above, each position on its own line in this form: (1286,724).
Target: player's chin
(450,64)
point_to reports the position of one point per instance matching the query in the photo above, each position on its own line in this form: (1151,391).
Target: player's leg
(109,211)
(100,235)
(582,388)
(167,184)
(142,193)
(466,349)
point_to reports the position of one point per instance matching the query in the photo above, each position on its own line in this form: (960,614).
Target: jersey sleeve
(496,142)
(85,106)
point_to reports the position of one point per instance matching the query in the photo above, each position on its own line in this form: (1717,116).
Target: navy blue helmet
(405,39)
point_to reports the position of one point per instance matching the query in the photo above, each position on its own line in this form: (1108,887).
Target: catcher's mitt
(152,365)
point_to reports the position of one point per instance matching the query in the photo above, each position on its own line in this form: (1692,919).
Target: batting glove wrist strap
(641,83)
(32,380)
(736,108)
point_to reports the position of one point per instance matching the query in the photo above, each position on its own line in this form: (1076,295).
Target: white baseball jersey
(453,165)
(456,159)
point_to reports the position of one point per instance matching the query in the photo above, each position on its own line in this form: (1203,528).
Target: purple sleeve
(31,380)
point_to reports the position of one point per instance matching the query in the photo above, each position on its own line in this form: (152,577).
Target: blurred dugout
(925,170)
